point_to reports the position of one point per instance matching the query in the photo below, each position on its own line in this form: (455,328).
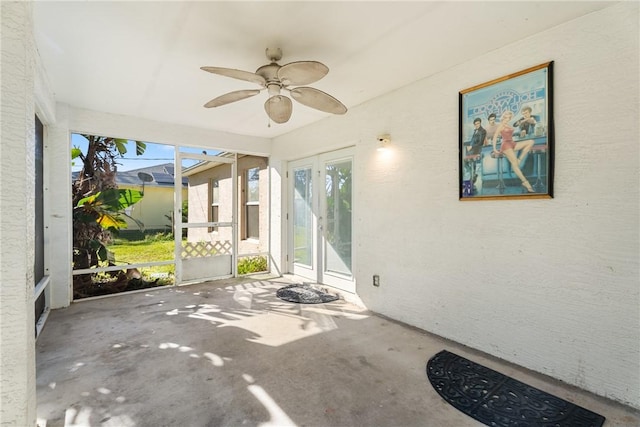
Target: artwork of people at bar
(506,137)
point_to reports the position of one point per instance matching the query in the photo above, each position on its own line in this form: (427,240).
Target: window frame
(214,205)
(249,204)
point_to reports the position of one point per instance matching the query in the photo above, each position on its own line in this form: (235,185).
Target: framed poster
(506,137)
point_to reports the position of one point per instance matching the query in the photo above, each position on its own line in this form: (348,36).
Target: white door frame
(317,270)
(179,225)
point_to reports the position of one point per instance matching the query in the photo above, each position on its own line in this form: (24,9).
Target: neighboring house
(155,210)
(210,200)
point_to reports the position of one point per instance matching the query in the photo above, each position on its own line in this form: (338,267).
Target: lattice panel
(205,249)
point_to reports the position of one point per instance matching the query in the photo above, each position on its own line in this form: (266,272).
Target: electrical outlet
(376,280)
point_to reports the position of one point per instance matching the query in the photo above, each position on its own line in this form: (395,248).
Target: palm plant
(98,205)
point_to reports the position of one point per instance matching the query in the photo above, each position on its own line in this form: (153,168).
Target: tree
(98,206)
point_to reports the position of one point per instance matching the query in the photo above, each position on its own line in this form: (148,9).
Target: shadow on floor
(230,353)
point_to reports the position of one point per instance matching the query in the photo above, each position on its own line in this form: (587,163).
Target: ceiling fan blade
(230,97)
(237,74)
(318,99)
(278,108)
(302,72)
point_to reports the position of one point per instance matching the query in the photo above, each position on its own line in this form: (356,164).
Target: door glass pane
(338,217)
(303,217)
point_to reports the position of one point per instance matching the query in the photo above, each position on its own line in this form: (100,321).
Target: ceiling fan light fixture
(278,108)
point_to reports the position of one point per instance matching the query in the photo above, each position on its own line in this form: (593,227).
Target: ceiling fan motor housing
(274,54)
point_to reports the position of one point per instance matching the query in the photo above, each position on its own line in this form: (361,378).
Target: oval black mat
(304,294)
(495,399)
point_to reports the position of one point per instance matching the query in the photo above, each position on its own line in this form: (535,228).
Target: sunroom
(548,285)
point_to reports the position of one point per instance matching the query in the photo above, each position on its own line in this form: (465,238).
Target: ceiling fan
(275,78)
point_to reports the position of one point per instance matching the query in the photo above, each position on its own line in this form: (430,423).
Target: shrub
(255,264)
(159,237)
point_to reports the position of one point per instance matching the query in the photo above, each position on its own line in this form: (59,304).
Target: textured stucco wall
(551,285)
(17,186)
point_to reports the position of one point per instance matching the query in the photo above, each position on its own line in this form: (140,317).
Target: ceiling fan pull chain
(269,116)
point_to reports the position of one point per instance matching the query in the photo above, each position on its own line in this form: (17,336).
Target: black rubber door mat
(495,399)
(304,294)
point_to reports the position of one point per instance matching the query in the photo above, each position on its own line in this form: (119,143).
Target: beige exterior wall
(200,200)
(154,207)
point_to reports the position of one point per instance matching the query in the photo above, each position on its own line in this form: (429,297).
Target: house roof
(202,166)
(159,175)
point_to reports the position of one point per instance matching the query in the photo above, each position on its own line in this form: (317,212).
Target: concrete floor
(230,353)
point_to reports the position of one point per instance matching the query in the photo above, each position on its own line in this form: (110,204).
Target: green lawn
(135,252)
(162,249)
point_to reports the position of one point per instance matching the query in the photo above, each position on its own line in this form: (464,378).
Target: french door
(321,218)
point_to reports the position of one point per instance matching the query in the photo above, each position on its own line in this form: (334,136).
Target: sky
(155,154)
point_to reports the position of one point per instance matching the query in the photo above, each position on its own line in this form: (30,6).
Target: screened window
(38,266)
(252,206)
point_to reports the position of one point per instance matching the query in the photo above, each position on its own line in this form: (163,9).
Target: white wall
(277,221)
(17,247)
(551,285)
(58,246)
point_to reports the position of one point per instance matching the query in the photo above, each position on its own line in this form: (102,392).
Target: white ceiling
(143,58)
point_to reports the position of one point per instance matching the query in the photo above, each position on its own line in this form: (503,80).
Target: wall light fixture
(384,141)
